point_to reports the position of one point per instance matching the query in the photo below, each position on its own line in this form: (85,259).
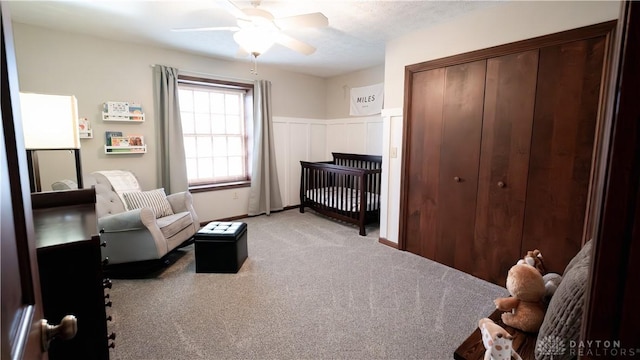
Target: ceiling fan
(257,29)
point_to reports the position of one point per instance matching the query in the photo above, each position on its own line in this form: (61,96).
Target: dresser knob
(107,284)
(457,179)
(112,345)
(501,184)
(112,336)
(109,304)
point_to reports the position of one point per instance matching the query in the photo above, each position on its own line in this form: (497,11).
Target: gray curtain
(264,196)
(172,166)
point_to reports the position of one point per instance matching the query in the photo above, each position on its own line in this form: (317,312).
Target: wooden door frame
(611,311)
(21,336)
(602,29)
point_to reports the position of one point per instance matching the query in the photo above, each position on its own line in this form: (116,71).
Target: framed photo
(84,124)
(135,111)
(136,140)
(120,141)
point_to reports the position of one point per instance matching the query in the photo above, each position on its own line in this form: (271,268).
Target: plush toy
(551,280)
(534,258)
(524,310)
(551,283)
(497,341)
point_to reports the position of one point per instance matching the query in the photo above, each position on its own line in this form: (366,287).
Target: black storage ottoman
(221,247)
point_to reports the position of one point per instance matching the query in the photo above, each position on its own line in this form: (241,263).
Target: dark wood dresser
(70,267)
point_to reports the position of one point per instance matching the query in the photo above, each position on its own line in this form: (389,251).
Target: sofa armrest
(142,218)
(132,236)
(183,201)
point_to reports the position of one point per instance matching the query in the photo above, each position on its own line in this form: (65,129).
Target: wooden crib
(347,188)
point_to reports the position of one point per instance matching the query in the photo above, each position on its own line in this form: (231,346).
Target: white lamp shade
(255,40)
(49,121)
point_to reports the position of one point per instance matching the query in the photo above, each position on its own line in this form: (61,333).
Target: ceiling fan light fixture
(255,40)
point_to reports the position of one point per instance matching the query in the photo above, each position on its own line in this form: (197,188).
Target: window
(215,127)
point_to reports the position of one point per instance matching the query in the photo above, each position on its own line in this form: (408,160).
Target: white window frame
(245,109)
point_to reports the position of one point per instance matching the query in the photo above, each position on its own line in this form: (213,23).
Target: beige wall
(500,24)
(96,70)
(338,89)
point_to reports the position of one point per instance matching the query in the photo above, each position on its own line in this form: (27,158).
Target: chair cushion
(563,319)
(155,199)
(173,224)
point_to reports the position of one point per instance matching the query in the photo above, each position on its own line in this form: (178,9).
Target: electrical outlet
(394,152)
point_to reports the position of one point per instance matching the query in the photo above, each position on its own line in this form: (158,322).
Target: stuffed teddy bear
(534,258)
(497,341)
(551,280)
(524,310)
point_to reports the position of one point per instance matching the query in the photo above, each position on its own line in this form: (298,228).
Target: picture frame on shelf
(136,140)
(122,111)
(124,144)
(135,112)
(84,128)
(120,141)
(117,107)
(109,135)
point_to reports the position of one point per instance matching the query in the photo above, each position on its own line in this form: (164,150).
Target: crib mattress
(343,199)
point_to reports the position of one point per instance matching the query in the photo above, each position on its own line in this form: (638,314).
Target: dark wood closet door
(459,158)
(502,182)
(567,101)
(423,159)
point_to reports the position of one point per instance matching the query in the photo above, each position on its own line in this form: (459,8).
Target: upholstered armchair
(140,225)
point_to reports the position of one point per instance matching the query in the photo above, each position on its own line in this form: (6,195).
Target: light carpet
(312,288)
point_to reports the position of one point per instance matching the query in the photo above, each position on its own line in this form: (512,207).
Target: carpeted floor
(312,288)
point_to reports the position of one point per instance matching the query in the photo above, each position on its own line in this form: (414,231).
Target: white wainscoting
(296,140)
(299,139)
(362,135)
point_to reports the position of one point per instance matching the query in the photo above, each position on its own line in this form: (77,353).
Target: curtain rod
(215,76)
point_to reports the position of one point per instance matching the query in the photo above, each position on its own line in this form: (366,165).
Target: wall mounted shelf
(86,134)
(129,117)
(125,150)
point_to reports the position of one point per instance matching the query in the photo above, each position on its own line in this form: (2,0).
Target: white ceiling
(354,40)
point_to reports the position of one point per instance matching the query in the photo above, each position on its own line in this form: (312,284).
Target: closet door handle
(457,179)
(501,184)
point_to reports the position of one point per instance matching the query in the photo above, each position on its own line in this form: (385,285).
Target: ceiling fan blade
(301,21)
(214,28)
(232,8)
(295,44)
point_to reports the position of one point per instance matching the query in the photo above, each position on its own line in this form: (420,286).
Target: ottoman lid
(220,228)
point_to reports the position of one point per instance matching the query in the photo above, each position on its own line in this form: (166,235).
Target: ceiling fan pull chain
(254,70)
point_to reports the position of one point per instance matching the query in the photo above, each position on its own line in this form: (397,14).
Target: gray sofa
(138,234)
